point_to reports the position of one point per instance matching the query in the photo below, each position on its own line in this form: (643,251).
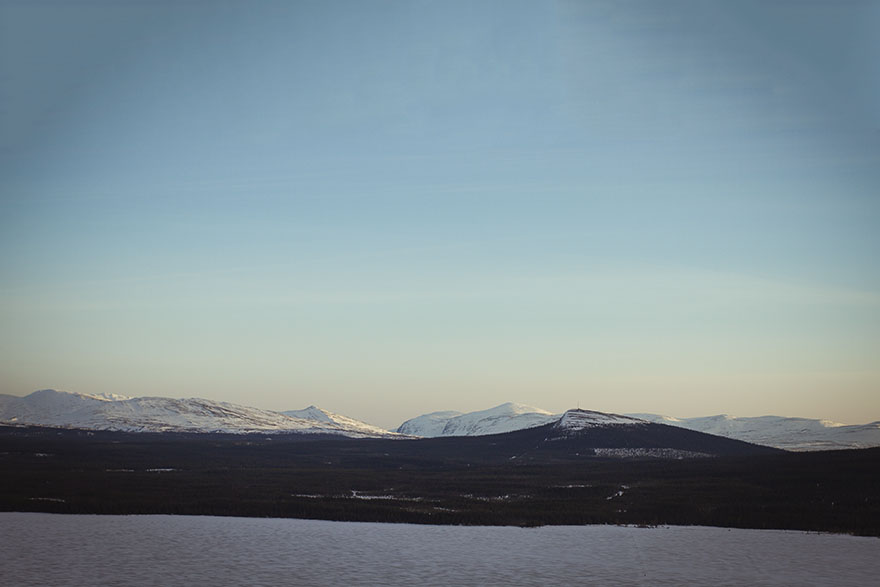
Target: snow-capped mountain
(59,409)
(798,434)
(504,418)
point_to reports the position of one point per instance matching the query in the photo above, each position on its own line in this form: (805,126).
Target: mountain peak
(578,419)
(515,408)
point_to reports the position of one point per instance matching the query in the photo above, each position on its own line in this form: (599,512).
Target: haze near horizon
(392,208)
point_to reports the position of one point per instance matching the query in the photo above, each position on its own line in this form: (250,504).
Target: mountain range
(50,408)
(58,409)
(798,434)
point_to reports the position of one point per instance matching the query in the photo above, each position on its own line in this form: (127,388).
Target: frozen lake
(49,549)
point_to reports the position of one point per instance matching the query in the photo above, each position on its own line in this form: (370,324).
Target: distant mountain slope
(315,414)
(161,414)
(504,418)
(789,433)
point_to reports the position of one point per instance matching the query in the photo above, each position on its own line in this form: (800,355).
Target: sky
(391,208)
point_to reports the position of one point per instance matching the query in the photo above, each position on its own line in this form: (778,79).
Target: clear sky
(391,208)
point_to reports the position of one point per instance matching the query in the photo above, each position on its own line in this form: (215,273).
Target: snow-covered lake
(49,549)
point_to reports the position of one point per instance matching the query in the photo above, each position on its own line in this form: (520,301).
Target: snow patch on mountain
(59,409)
(504,418)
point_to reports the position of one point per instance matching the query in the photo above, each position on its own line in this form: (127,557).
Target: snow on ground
(656,453)
(67,550)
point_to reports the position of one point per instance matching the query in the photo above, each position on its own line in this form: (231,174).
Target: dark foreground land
(490,480)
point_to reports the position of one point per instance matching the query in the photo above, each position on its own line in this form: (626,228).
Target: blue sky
(390,208)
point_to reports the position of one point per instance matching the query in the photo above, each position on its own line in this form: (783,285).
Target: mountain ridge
(161,414)
(788,433)
(61,409)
